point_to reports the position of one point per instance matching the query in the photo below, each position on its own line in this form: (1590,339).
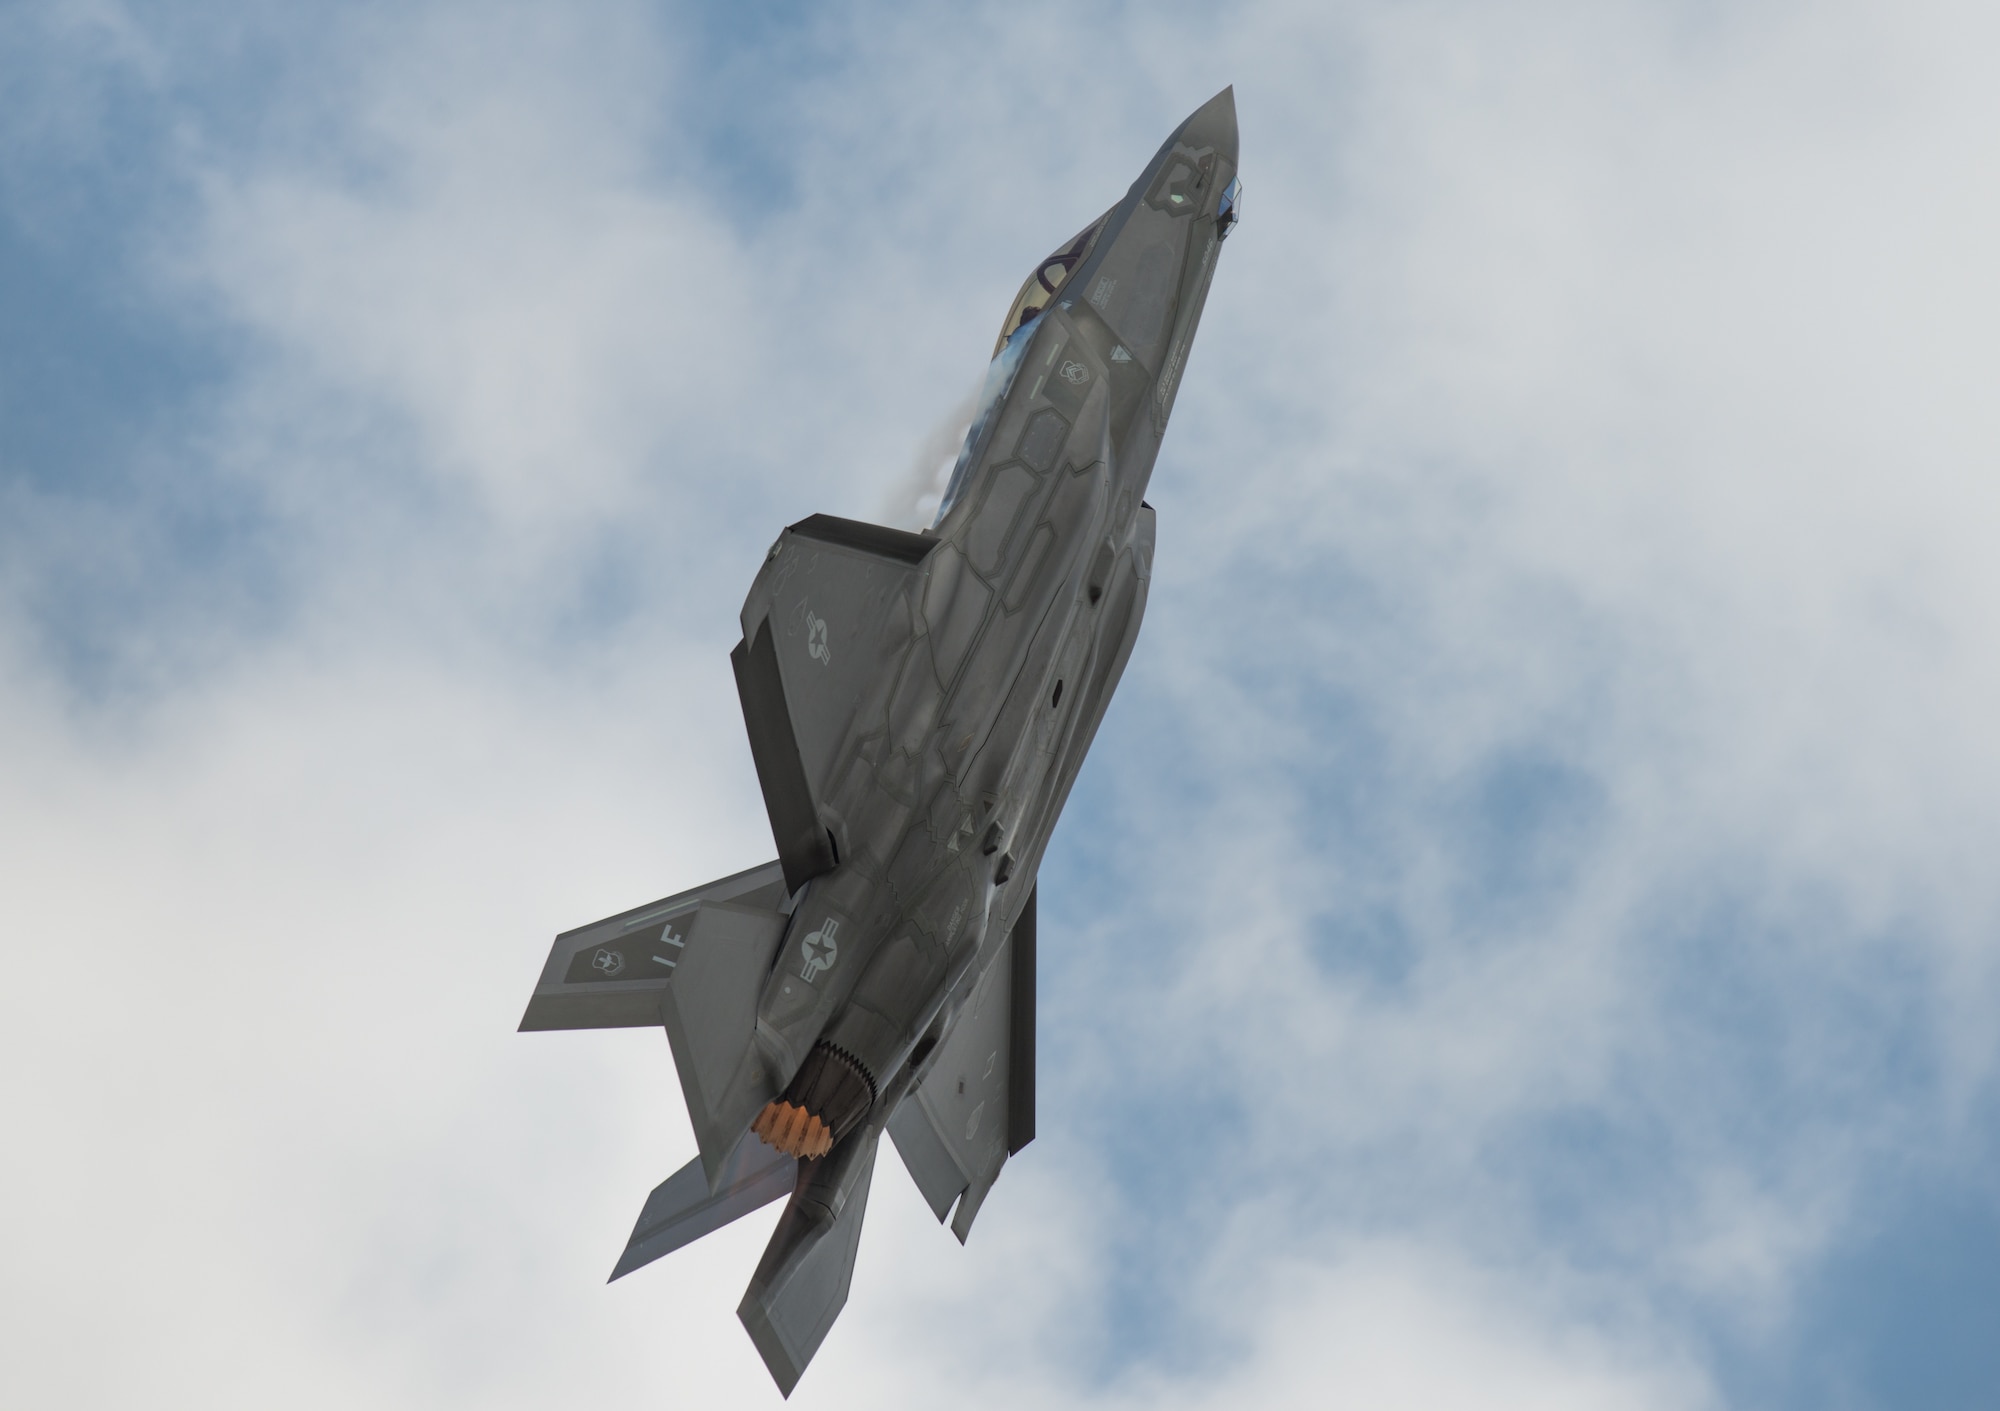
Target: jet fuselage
(953,773)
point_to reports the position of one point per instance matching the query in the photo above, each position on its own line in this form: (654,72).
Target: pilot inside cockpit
(1050,275)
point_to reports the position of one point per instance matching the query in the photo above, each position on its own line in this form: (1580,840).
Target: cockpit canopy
(1049,276)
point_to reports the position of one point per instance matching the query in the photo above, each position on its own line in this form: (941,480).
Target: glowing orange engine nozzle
(793,1130)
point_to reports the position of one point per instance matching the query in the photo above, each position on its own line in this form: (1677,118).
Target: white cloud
(1553,783)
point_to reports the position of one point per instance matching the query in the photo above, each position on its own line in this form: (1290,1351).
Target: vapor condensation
(912,503)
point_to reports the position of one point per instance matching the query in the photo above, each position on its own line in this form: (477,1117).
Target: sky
(1527,934)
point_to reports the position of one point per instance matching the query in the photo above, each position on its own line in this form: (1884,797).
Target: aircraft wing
(976,1106)
(826,630)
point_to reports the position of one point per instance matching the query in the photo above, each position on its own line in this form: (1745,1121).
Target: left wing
(826,630)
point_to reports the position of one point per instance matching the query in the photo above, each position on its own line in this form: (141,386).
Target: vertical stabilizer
(801,1283)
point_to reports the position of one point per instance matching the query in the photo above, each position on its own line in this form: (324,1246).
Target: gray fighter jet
(918,706)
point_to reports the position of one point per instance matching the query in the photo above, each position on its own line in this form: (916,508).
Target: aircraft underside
(918,706)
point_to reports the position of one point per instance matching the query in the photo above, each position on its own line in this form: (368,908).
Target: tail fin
(695,963)
(801,1283)
(682,1209)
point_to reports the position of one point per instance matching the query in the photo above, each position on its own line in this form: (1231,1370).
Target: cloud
(1530,888)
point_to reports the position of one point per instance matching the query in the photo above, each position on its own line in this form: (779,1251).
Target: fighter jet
(918,705)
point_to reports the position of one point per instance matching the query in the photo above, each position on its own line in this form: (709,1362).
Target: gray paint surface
(918,707)
(683,1207)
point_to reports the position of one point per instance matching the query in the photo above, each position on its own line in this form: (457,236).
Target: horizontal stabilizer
(605,975)
(801,1283)
(695,963)
(682,1209)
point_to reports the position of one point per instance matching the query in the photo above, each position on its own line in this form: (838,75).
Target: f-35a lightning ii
(918,706)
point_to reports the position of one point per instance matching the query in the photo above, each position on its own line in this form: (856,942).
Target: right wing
(976,1106)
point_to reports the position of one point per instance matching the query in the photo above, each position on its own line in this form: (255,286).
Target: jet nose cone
(1213,124)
